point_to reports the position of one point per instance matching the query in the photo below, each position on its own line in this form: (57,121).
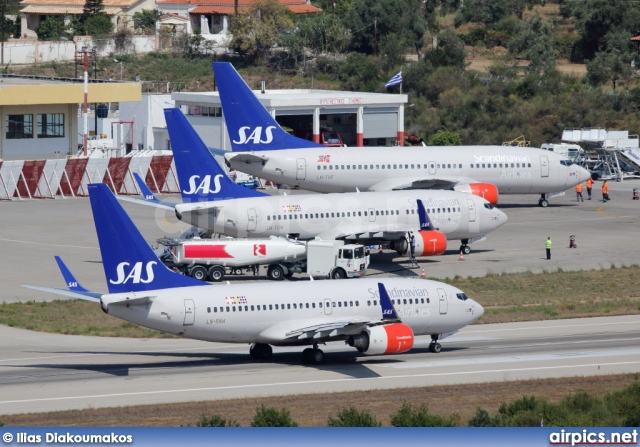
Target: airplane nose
(583,174)
(500,217)
(478,310)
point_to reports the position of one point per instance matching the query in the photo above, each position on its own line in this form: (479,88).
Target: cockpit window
(488,206)
(462,296)
(566,162)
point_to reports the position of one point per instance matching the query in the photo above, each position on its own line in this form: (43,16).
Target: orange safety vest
(605,188)
(579,187)
(589,182)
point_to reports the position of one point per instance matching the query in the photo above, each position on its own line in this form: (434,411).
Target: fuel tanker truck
(213,259)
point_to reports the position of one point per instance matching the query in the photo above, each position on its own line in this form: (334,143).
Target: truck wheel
(199,272)
(216,273)
(275,272)
(338,274)
(288,275)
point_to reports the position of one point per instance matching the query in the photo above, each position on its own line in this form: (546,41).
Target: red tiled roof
(76,3)
(63,10)
(205,9)
(302,9)
(635,39)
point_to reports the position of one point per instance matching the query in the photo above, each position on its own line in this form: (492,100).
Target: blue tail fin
(144,189)
(425,222)
(388,311)
(129,263)
(72,283)
(251,127)
(200,176)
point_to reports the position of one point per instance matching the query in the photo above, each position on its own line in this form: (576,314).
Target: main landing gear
(263,351)
(434,346)
(313,356)
(464,248)
(260,351)
(543,202)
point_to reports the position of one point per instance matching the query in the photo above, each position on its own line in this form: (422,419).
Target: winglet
(72,283)
(425,222)
(388,311)
(201,177)
(251,127)
(129,263)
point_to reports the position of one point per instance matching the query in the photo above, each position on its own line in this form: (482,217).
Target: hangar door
(380,122)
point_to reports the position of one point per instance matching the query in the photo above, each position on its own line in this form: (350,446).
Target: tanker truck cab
(335,259)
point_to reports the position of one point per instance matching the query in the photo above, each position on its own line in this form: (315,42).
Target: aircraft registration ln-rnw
(262,148)
(212,201)
(375,316)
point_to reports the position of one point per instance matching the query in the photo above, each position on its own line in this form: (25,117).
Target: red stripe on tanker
(206,251)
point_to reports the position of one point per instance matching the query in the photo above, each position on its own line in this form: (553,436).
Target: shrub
(351,417)
(272,417)
(409,416)
(215,420)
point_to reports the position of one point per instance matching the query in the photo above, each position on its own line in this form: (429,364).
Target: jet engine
(428,243)
(487,191)
(388,339)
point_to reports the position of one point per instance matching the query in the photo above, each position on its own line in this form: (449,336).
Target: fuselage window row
(389,166)
(333,215)
(296,306)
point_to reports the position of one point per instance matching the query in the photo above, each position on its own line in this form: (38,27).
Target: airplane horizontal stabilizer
(88,296)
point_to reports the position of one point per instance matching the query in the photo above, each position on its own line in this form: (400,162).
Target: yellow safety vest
(548,243)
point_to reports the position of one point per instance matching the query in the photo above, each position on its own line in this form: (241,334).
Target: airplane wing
(421,183)
(329,327)
(387,232)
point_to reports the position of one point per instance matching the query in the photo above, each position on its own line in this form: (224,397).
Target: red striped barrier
(71,182)
(116,171)
(159,170)
(29,180)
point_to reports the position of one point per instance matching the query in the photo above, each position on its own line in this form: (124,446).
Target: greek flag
(395,80)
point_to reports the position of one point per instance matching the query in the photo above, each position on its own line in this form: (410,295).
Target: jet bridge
(618,152)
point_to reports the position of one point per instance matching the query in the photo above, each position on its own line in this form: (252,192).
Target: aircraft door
(327,307)
(444,304)
(301,169)
(474,222)
(372,215)
(472,210)
(432,167)
(544,166)
(252,219)
(189,313)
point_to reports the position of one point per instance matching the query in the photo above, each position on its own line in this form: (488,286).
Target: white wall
(35,148)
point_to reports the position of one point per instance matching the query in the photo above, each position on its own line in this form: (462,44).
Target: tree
(445,137)
(272,417)
(52,28)
(535,41)
(608,66)
(319,33)
(371,21)
(145,21)
(93,21)
(488,12)
(351,417)
(260,28)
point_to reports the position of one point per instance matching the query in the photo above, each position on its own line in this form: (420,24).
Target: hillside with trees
(360,44)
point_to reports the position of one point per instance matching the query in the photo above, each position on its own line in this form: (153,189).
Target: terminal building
(39,115)
(361,119)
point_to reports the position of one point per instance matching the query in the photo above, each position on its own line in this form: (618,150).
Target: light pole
(119,62)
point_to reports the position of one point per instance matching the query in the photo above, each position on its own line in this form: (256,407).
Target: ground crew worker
(579,197)
(589,186)
(548,246)
(605,191)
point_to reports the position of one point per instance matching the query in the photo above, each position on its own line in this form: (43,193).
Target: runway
(58,372)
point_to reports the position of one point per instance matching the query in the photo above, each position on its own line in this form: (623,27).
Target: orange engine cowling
(428,243)
(387,339)
(487,191)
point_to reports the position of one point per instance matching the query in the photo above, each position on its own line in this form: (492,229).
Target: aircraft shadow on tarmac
(348,363)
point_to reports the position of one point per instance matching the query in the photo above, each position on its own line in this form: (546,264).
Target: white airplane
(212,201)
(263,149)
(375,316)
